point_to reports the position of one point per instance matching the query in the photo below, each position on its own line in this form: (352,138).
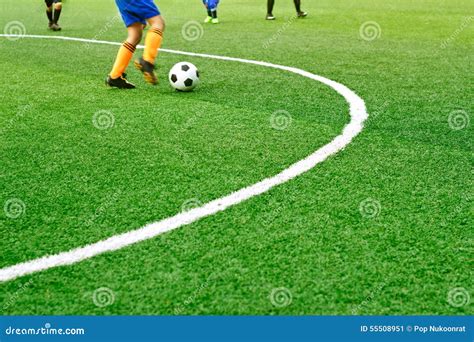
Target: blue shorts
(137,11)
(211,4)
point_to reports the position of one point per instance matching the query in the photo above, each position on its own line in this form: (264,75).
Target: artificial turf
(81,184)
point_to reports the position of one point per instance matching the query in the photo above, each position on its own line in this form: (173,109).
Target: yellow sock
(152,44)
(124,56)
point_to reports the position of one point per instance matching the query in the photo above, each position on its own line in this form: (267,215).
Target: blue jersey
(137,11)
(211,4)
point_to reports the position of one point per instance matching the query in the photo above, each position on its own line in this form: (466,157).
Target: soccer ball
(184,76)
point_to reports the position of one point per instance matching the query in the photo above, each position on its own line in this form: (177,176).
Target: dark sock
(50,15)
(298,6)
(270,4)
(209,13)
(57,14)
(214,14)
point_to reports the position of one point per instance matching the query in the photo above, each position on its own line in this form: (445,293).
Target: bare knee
(157,23)
(134,39)
(135,34)
(161,25)
(58,6)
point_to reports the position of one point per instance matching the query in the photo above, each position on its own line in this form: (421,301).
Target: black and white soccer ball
(184,76)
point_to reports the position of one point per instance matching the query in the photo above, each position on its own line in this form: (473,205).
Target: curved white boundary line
(358,115)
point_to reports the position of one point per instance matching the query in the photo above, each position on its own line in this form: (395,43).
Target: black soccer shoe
(147,69)
(119,82)
(55,27)
(302,14)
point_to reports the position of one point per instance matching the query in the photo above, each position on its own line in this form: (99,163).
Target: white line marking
(358,115)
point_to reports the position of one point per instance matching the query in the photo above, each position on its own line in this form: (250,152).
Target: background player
(211,6)
(135,14)
(271,3)
(53,14)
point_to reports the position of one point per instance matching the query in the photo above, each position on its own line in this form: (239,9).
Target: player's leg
(49,12)
(299,12)
(116,77)
(209,17)
(58,6)
(153,40)
(270,4)
(213,8)
(209,13)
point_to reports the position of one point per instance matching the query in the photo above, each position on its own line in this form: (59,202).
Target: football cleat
(215,21)
(119,82)
(55,27)
(147,69)
(302,14)
(270,17)
(207,20)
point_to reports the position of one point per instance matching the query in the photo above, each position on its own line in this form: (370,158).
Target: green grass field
(307,239)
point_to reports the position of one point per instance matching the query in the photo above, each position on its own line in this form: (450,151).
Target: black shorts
(49,3)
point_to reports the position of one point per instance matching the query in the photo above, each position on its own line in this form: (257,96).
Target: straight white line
(358,115)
